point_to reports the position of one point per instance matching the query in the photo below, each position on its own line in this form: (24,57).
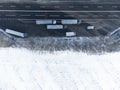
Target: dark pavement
(59,11)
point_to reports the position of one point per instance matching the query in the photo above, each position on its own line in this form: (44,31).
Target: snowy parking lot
(21,69)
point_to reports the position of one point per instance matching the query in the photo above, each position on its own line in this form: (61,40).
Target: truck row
(54,25)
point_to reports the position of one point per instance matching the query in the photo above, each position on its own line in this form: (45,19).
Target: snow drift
(21,69)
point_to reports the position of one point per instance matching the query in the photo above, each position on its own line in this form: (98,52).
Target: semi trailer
(16,33)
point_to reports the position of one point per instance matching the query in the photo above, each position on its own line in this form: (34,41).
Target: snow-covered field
(21,69)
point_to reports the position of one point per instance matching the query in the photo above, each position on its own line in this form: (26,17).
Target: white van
(90,27)
(70,34)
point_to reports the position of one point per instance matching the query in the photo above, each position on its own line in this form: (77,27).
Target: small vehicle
(70,34)
(90,27)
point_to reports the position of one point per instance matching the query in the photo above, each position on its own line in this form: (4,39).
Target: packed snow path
(21,69)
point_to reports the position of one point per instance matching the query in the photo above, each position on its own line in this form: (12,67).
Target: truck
(71,21)
(44,21)
(16,33)
(55,27)
(59,21)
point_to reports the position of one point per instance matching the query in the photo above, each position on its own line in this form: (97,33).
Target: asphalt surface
(59,11)
(61,6)
(58,15)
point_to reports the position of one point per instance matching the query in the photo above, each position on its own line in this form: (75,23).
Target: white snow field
(21,69)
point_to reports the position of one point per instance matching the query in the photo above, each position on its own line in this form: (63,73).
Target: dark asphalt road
(61,6)
(58,15)
(59,11)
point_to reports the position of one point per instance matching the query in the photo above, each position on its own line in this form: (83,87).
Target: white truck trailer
(44,21)
(16,33)
(55,27)
(71,21)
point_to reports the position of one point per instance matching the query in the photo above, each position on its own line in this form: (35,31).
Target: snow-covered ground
(21,69)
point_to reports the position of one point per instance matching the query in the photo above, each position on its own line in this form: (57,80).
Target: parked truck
(45,21)
(16,33)
(55,27)
(55,21)
(71,21)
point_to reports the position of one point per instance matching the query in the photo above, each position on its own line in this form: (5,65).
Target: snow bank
(21,69)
